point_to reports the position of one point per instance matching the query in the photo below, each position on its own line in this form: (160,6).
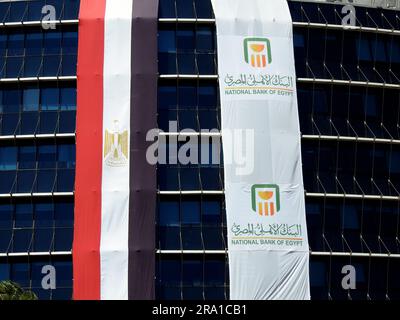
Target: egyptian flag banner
(115,197)
(265,206)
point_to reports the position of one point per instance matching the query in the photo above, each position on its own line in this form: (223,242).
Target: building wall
(348,83)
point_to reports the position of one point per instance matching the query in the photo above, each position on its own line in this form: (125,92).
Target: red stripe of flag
(89,142)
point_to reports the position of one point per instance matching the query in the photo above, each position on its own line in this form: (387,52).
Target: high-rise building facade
(348,81)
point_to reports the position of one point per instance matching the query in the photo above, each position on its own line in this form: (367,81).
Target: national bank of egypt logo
(257,52)
(265,199)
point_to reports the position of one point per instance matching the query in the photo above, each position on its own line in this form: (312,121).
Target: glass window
(184,9)
(8,158)
(35,10)
(166,40)
(47,156)
(44,214)
(64,213)
(169,213)
(31,99)
(70,42)
(6,216)
(15,44)
(203,9)
(190,211)
(20,272)
(17,11)
(34,43)
(68,98)
(66,156)
(192,273)
(65,180)
(170,271)
(7,181)
(4,271)
(50,98)
(52,42)
(11,100)
(27,157)
(71,9)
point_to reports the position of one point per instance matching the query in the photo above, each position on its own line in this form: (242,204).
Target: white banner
(267,232)
(116,146)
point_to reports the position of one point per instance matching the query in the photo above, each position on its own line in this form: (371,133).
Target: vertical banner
(143,192)
(267,232)
(114,240)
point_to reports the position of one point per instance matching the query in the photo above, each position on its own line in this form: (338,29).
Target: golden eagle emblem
(116,147)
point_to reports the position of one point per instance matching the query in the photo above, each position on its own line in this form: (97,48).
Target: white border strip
(312,25)
(209,252)
(36,195)
(38,136)
(34,79)
(308,195)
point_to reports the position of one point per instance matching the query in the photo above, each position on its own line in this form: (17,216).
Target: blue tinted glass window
(211,211)
(48,121)
(45,180)
(51,65)
(214,272)
(71,9)
(166,40)
(4,9)
(4,271)
(184,9)
(25,180)
(24,215)
(185,39)
(6,216)
(50,98)
(169,213)
(8,158)
(170,272)
(11,100)
(32,66)
(13,67)
(47,156)
(65,180)
(35,10)
(64,278)
(52,42)
(34,43)
(63,239)
(167,97)
(64,213)
(66,156)
(192,272)
(20,273)
(15,44)
(44,215)
(31,99)
(67,121)
(17,11)
(68,98)
(70,42)
(190,211)
(203,9)
(3,43)
(7,181)
(27,157)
